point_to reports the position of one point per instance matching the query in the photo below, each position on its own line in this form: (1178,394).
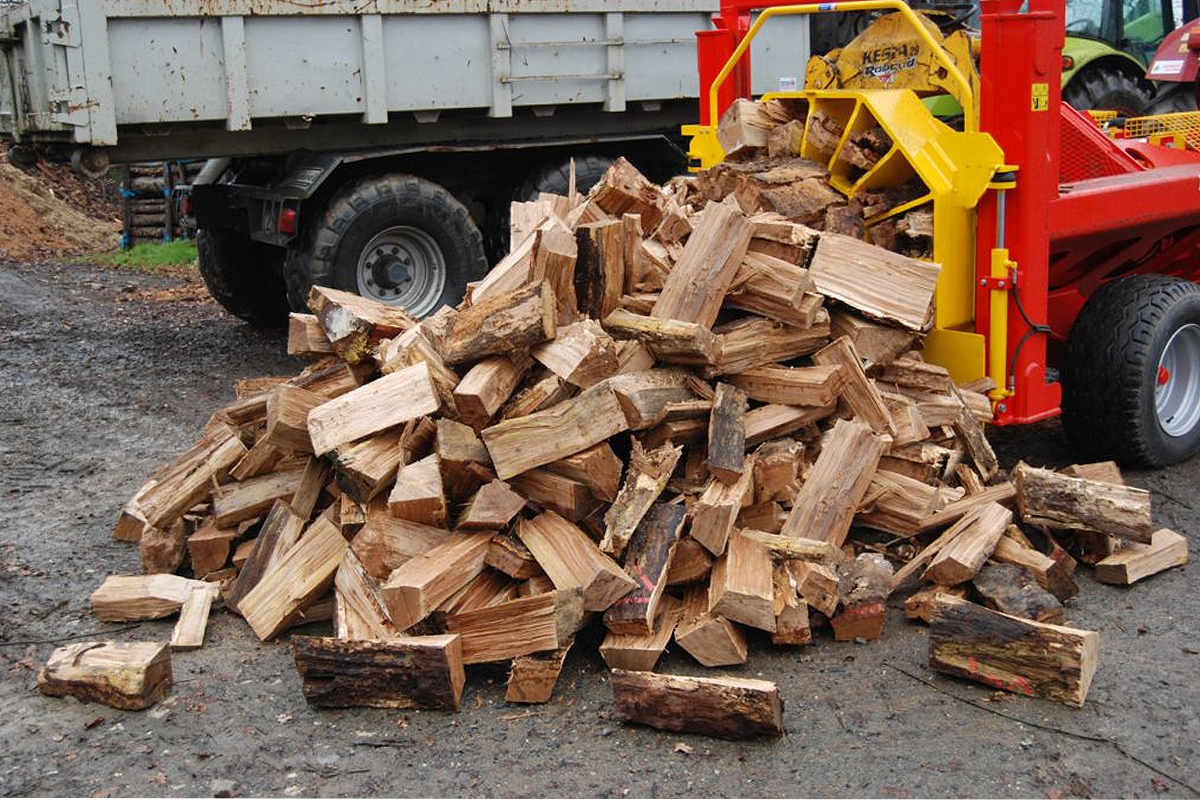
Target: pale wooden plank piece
(193,618)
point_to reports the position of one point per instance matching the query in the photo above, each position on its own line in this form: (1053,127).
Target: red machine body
(1085,208)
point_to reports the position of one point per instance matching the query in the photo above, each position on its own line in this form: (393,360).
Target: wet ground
(106,374)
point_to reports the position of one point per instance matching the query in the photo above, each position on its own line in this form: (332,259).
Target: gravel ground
(107,374)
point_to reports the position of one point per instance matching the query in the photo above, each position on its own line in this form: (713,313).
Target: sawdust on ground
(38,220)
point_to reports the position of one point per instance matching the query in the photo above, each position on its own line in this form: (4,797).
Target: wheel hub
(1177,382)
(403,266)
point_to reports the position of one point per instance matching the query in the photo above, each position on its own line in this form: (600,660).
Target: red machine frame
(1108,209)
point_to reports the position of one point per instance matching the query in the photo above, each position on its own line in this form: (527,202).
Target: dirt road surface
(106,374)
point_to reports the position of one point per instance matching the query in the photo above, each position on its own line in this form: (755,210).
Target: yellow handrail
(967,99)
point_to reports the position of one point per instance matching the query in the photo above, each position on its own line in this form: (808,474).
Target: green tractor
(1109,44)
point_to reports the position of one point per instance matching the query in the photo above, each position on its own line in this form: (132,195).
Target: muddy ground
(105,374)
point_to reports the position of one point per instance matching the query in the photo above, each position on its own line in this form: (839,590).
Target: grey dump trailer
(371,145)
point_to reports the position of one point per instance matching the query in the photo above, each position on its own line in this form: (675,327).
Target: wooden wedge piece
(423,583)
(696,287)
(713,641)
(1166,549)
(571,559)
(418,495)
(380,404)
(742,587)
(130,598)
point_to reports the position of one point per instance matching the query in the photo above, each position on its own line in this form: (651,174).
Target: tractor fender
(1088,54)
(1174,61)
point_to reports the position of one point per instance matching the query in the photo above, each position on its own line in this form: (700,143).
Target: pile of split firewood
(677,413)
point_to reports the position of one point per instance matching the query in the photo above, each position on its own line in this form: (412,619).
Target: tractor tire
(243,276)
(1131,383)
(551,177)
(398,239)
(1104,89)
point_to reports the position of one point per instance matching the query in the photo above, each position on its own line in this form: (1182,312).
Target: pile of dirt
(51,213)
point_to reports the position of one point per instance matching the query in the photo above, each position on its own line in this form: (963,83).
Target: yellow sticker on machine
(1040,96)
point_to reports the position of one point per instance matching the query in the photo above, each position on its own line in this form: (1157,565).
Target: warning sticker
(1040,97)
(1167,67)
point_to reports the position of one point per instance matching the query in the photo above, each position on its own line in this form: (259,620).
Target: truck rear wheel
(1104,89)
(1132,380)
(398,239)
(243,276)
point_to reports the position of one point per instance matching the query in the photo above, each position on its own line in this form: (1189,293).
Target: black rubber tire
(554,177)
(551,177)
(1110,373)
(331,249)
(245,277)
(1105,89)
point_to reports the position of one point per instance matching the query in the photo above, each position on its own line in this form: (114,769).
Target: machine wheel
(243,276)
(1132,379)
(551,177)
(398,239)
(1104,89)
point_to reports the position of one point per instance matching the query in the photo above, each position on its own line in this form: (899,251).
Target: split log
(403,672)
(1051,575)
(671,341)
(509,555)
(127,675)
(597,467)
(188,479)
(641,652)
(501,325)
(251,498)
(791,612)
(487,386)
(312,482)
(791,548)
(571,559)
(985,517)
(280,531)
(717,509)
(744,129)
(762,517)
(962,556)
(261,459)
(193,617)
(690,564)
(624,189)
(921,605)
(353,324)
(731,708)
(550,491)
(861,395)
(162,550)
(132,598)
(600,269)
(836,485)
(795,386)
(520,444)
(696,287)
(952,512)
(1166,549)
(775,420)
(727,434)
(863,588)
(645,395)
(875,343)
(1058,501)
(364,469)
(713,641)
(418,495)
(777,470)
(359,608)
(775,289)
(645,480)
(876,282)
(303,574)
(581,354)
(209,548)
(488,588)
(742,587)
(756,341)
(1014,591)
(1017,655)
(380,404)
(492,507)
(518,627)
(463,461)
(975,443)
(646,562)
(818,585)
(132,521)
(421,584)
(532,678)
